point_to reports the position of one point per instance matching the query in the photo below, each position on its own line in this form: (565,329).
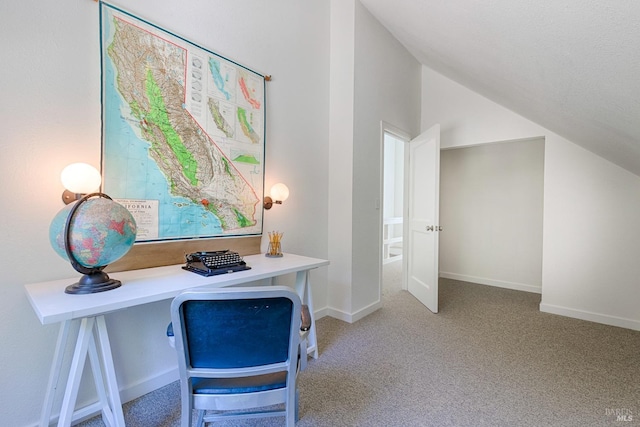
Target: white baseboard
(366,311)
(319,314)
(130,392)
(491,282)
(605,319)
(339,314)
(143,387)
(352,317)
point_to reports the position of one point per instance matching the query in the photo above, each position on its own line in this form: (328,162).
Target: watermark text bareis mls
(619,414)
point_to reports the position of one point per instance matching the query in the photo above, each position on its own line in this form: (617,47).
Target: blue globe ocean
(102,231)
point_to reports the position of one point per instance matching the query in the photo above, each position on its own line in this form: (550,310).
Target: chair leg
(186,416)
(200,421)
(303,355)
(297,411)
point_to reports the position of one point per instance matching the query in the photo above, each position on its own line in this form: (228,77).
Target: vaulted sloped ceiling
(572,66)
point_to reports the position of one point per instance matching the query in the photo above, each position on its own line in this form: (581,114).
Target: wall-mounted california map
(183,133)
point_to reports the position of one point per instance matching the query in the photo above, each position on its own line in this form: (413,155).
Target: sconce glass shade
(80,178)
(279,192)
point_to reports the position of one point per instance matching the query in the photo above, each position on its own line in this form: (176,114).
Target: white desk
(52,305)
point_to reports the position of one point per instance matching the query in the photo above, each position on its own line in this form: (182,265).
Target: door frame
(404,136)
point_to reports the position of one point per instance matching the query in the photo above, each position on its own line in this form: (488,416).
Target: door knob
(439,228)
(430,228)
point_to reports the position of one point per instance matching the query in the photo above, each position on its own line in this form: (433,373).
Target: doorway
(491,208)
(393,162)
(492,200)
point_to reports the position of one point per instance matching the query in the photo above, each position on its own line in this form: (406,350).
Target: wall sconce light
(279,193)
(79,179)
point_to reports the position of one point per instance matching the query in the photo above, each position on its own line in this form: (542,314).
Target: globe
(101,231)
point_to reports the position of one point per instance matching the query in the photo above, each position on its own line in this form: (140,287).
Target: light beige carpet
(489,358)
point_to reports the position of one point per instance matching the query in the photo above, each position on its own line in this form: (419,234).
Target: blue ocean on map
(132,174)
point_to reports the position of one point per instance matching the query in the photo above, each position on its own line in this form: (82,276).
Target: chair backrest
(236,328)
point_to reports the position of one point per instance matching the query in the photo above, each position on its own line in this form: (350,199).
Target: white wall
(341,156)
(387,88)
(591,232)
(50,117)
(373,79)
(592,238)
(491,199)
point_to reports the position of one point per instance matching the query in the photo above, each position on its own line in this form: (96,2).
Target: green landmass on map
(150,78)
(158,116)
(218,118)
(246,127)
(247,158)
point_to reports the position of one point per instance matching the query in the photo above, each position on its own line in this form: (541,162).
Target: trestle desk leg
(103,403)
(303,287)
(85,335)
(110,374)
(92,330)
(54,375)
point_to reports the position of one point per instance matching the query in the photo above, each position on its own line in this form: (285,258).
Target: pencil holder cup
(275,249)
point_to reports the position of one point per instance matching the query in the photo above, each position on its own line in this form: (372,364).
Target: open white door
(423,176)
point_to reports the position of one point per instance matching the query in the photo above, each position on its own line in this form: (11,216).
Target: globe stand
(97,281)
(93,279)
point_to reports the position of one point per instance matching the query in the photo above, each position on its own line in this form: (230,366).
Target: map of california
(162,83)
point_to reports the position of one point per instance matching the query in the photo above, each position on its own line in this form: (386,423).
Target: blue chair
(238,352)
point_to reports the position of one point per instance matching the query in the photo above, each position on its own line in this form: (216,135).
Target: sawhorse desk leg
(92,329)
(303,287)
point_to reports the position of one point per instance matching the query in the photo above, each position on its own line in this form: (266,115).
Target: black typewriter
(216,262)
